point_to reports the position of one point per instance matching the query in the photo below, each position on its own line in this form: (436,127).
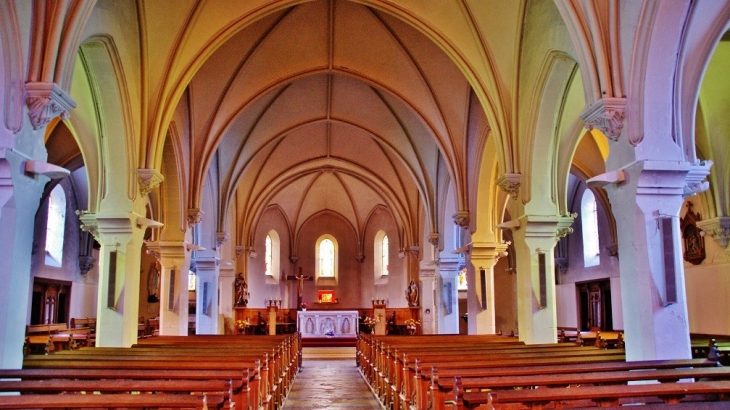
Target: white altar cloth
(327,323)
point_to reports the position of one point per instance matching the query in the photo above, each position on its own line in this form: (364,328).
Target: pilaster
(119,261)
(429,303)
(206,313)
(535,240)
(226,278)
(655,325)
(448,316)
(483,256)
(174,259)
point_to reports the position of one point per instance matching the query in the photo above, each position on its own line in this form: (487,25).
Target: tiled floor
(331,384)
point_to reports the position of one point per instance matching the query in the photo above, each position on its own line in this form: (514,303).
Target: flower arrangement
(370,321)
(304,305)
(242,324)
(411,323)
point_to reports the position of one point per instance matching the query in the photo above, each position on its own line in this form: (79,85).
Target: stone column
(535,240)
(175,263)
(650,192)
(119,262)
(448,312)
(483,256)
(206,313)
(429,302)
(19,198)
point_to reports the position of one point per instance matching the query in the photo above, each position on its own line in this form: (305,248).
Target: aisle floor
(330,381)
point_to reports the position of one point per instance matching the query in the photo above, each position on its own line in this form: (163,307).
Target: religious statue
(241,290)
(412,294)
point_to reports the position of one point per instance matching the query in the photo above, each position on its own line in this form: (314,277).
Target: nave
(326,374)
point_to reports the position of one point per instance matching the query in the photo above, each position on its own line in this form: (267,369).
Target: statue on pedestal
(412,294)
(241,291)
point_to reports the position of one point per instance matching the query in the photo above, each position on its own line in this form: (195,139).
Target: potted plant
(303,306)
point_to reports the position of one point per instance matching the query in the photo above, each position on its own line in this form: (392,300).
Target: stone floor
(329,380)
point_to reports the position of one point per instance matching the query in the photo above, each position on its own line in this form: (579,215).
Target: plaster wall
(261,287)
(392,286)
(82,301)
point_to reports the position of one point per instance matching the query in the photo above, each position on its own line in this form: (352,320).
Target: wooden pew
(200,352)
(96,401)
(237,381)
(603,396)
(209,388)
(578,378)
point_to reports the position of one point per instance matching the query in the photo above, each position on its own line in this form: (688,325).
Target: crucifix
(300,278)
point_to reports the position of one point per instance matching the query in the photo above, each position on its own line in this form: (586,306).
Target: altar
(327,323)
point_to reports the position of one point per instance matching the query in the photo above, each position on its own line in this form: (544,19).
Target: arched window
(589,217)
(326,259)
(384,261)
(268,259)
(381,255)
(272,256)
(55,226)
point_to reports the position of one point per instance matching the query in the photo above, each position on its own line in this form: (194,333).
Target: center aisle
(330,380)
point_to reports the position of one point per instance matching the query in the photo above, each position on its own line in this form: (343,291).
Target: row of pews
(171,372)
(493,371)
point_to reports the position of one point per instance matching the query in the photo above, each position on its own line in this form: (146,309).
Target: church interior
(475,167)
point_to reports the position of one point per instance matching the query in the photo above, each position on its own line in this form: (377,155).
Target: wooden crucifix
(300,278)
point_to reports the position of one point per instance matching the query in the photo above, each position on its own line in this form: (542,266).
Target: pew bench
(97,401)
(442,382)
(255,393)
(116,386)
(603,396)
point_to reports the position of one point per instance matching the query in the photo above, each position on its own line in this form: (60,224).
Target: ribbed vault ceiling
(331,106)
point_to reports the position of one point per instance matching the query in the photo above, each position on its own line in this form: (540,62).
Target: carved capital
(360,257)
(85,264)
(433,239)
(148,180)
(45,102)
(717,228)
(612,249)
(221,238)
(695,179)
(195,215)
(607,115)
(239,250)
(562,264)
(510,183)
(462,219)
(293,259)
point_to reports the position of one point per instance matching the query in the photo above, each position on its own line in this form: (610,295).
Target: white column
(19,199)
(175,262)
(448,297)
(652,191)
(119,262)
(206,313)
(483,256)
(226,277)
(535,236)
(429,306)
